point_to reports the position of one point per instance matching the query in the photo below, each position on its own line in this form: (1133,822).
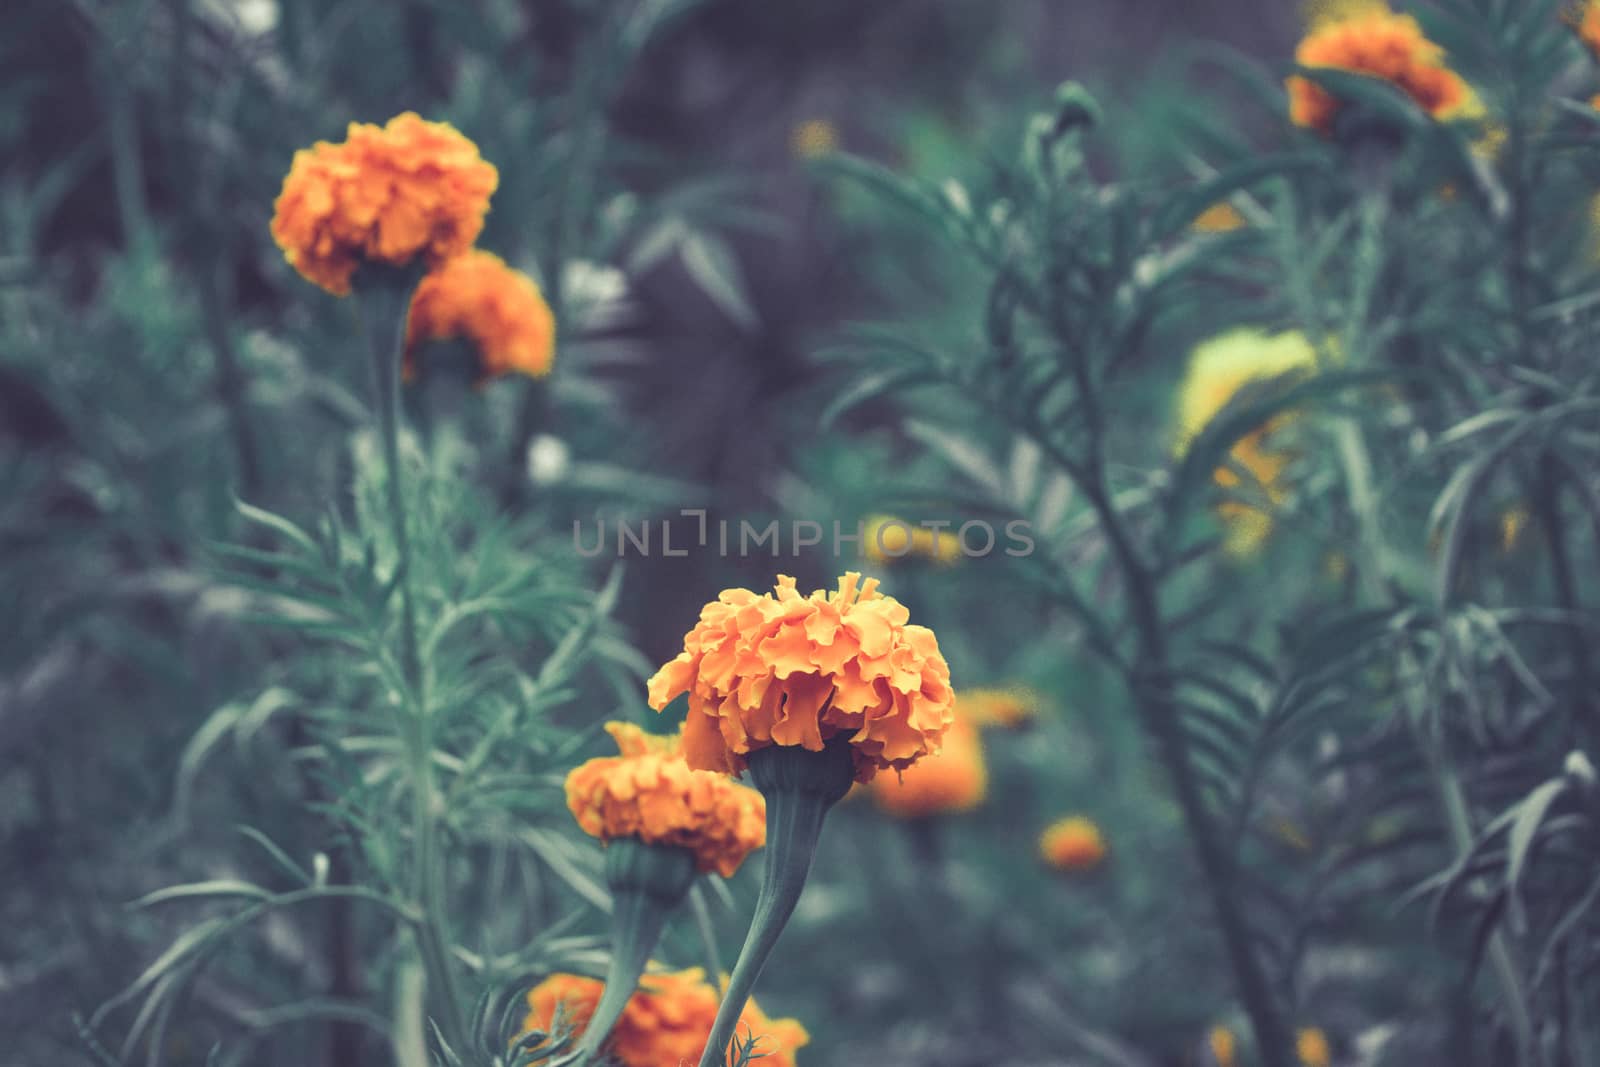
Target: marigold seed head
(650,793)
(500,310)
(1368,38)
(1072,844)
(385,195)
(955,780)
(1218,371)
(786,669)
(666,1021)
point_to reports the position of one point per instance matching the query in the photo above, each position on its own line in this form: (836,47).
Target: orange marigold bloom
(1311,1045)
(1224,1046)
(1373,40)
(787,669)
(1072,844)
(649,792)
(955,780)
(666,1021)
(1007,708)
(385,195)
(500,310)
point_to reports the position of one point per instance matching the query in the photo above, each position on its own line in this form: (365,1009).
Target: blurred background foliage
(1392,698)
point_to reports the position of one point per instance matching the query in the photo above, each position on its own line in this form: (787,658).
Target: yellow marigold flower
(500,310)
(384,195)
(1224,1046)
(955,780)
(1218,371)
(1072,844)
(1370,39)
(666,1021)
(1221,217)
(1311,1045)
(1007,708)
(814,138)
(787,669)
(885,539)
(650,793)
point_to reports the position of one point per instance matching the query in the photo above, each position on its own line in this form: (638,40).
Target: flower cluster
(955,780)
(787,669)
(1218,371)
(1368,38)
(665,1022)
(477,297)
(650,793)
(1072,844)
(385,194)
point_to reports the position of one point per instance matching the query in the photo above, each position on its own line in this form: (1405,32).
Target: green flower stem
(385,300)
(800,787)
(647,882)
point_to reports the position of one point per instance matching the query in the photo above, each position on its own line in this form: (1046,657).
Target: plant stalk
(386,305)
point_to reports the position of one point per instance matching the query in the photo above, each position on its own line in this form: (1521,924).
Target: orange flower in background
(383,195)
(1368,38)
(1311,1045)
(1072,844)
(1221,217)
(786,669)
(1006,708)
(1585,20)
(814,138)
(500,310)
(955,780)
(649,792)
(1224,1046)
(666,1021)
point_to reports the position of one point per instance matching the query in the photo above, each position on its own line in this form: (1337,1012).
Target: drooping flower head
(666,1021)
(650,793)
(1366,37)
(1218,371)
(792,670)
(885,539)
(955,780)
(386,195)
(477,297)
(1008,708)
(1072,844)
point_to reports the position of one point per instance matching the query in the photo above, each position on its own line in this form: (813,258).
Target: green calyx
(647,883)
(800,787)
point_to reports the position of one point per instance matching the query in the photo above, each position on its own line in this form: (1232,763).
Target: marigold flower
(650,793)
(1218,371)
(666,1021)
(955,780)
(1072,844)
(1221,217)
(791,670)
(885,539)
(1224,1046)
(384,195)
(1007,708)
(1368,38)
(499,309)
(1311,1045)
